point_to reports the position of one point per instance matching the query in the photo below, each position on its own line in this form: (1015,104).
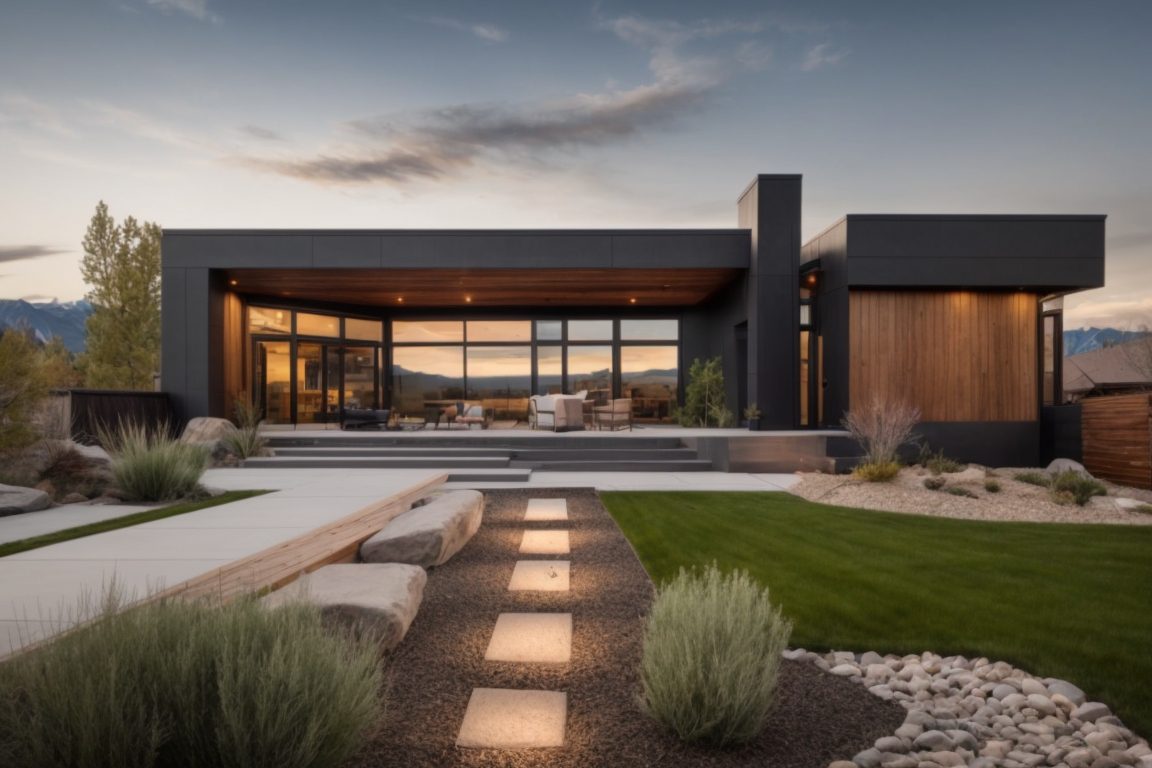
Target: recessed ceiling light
(632,300)
(399,299)
(233,282)
(467,299)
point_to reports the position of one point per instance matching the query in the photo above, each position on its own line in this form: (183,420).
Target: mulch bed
(818,718)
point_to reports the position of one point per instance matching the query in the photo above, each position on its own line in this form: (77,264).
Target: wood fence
(1117,434)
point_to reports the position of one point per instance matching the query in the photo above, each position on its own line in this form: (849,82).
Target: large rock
(16,500)
(1063,465)
(379,597)
(430,534)
(206,429)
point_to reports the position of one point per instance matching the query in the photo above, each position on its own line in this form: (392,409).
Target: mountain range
(47,319)
(1083,340)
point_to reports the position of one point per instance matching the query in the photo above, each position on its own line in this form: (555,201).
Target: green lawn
(35,542)
(1067,601)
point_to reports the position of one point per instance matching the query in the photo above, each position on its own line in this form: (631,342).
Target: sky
(537,114)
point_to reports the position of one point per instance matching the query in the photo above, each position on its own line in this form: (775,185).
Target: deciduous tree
(122,266)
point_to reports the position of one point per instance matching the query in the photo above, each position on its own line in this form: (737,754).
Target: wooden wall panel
(234,353)
(1117,436)
(957,355)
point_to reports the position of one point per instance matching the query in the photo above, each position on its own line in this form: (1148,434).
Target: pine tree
(122,265)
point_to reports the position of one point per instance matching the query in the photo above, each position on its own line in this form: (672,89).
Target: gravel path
(1015,501)
(819,717)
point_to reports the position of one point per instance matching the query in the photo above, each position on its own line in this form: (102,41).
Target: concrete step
(625,465)
(371,462)
(473,439)
(549,455)
(394,451)
(489,476)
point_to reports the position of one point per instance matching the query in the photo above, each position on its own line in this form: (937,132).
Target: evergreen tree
(21,389)
(122,265)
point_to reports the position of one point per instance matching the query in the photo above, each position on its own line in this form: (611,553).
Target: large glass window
(426,377)
(317,325)
(590,368)
(589,330)
(261,320)
(501,379)
(549,330)
(550,370)
(649,330)
(499,330)
(359,377)
(428,331)
(363,330)
(273,380)
(650,375)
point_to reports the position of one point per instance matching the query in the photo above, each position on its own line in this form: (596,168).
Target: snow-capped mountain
(48,319)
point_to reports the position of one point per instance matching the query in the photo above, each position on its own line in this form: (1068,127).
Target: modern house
(959,314)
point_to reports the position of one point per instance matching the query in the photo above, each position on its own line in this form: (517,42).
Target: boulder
(206,429)
(1067,690)
(1063,465)
(16,500)
(378,597)
(430,534)
(971,474)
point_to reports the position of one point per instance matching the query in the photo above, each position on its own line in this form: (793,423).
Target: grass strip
(115,523)
(1059,600)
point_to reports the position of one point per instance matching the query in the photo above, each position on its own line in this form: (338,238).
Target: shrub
(190,684)
(152,465)
(1034,478)
(246,441)
(1071,485)
(711,656)
(877,471)
(881,427)
(992,486)
(704,400)
(964,492)
(70,471)
(934,483)
(22,387)
(939,464)
(1145,509)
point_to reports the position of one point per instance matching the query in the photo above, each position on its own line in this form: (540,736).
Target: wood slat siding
(957,355)
(1117,436)
(234,355)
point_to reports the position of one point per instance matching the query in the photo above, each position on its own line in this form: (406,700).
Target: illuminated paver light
(540,576)
(499,718)
(546,510)
(540,638)
(544,543)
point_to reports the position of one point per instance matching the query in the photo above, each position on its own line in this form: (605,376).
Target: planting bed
(819,717)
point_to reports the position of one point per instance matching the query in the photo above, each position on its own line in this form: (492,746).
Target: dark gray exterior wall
(770,209)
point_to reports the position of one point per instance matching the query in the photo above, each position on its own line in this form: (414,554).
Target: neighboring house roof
(1115,367)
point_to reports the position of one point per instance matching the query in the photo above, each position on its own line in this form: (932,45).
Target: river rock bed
(982,713)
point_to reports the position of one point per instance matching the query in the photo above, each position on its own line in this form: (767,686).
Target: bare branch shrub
(881,427)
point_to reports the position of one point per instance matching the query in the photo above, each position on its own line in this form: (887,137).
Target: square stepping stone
(544,543)
(501,718)
(546,510)
(541,638)
(540,576)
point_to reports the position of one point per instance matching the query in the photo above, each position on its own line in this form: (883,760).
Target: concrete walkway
(41,591)
(25,526)
(647,481)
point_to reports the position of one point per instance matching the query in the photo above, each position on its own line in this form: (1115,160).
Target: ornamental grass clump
(191,685)
(246,441)
(1076,487)
(881,427)
(151,465)
(711,656)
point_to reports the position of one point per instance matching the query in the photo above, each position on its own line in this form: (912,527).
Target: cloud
(22,252)
(260,132)
(145,126)
(486,31)
(197,9)
(38,297)
(687,62)
(820,56)
(18,109)
(1110,310)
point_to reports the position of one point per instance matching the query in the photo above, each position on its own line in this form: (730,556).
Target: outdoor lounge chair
(616,415)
